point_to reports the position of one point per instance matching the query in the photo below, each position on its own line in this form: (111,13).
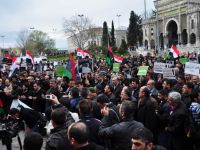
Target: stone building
(96,38)
(177,22)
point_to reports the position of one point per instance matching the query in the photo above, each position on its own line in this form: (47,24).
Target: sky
(49,15)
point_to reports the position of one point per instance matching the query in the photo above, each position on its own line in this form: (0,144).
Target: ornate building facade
(177,22)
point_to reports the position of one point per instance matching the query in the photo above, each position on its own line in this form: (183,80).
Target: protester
(33,141)
(78,136)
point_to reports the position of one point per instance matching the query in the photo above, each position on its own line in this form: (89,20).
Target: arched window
(192,38)
(184,37)
(192,24)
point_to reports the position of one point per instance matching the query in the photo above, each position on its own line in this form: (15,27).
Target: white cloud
(47,15)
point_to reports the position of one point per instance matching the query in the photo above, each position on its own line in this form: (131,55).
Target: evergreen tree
(105,35)
(112,35)
(134,30)
(123,46)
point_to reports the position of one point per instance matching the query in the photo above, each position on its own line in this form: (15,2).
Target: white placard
(192,68)
(169,73)
(158,67)
(169,64)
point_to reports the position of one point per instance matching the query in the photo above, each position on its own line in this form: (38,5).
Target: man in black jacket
(176,123)
(78,136)
(58,140)
(119,133)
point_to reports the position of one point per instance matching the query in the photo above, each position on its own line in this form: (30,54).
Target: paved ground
(15,144)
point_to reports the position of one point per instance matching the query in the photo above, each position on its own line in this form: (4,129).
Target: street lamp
(3,36)
(118,19)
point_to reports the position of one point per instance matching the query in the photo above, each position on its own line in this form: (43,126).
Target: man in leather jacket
(58,139)
(119,133)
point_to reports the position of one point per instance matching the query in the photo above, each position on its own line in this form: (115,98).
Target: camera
(48,96)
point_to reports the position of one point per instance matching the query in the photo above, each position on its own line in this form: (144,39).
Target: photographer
(31,118)
(9,128)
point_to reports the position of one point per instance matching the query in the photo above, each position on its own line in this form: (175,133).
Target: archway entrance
(172,29)
(152,44)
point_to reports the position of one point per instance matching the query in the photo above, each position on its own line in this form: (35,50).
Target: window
(192,24)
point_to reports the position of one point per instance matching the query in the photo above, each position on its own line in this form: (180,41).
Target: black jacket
(176,128)
(146,114)
(91,146)
(30,117)
(120,134)
(93,126)
(58,140)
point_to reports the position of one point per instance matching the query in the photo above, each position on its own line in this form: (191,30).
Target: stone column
(165,36)
(198,30)
(188,29)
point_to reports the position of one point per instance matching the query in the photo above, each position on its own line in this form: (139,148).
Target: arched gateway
(172,29)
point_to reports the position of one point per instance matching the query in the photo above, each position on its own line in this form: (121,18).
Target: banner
(192,68)
(61,71)
(116,67)
(158,67)
(142,70)
(169,73)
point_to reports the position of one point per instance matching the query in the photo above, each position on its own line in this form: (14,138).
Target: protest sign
(183,60)
(169,73)
(116,67)
(192,68)
(169,63)
(158,67)
(142,70)
(61,71)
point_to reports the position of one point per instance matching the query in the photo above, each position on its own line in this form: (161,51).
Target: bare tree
(79,29)
(22,40)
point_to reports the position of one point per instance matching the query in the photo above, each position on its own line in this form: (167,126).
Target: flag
(71,58)
(1,107)
(8,55)
(109,57)
(83,53)
(174,51)
(118,59)
(29,55)
(88,53)
(80,52)
(15,65)
(68,71)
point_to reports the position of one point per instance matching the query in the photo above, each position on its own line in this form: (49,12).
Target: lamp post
(157,30)
(81,32)
(119,19)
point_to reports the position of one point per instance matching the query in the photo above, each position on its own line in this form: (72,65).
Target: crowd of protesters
(116,111)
